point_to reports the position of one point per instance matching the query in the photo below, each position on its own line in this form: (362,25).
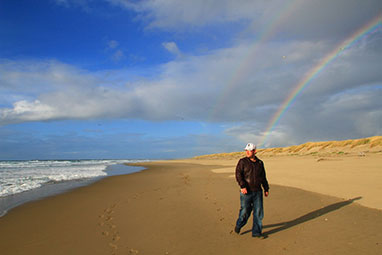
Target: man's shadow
(305,218)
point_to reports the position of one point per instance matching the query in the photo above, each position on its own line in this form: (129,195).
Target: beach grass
(345,147)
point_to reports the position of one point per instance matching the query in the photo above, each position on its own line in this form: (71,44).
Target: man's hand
(266,193)
(243,191)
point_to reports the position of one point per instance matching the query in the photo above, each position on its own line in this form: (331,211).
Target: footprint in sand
(133,251)
(108,218)
(116,237)
(113,246)
(111,229)
(215,203)
(186,179)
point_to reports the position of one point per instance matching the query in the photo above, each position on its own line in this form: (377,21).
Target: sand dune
(358,147)
(344,169)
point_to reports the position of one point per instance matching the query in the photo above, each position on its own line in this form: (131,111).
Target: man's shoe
(237,230)
(260,236)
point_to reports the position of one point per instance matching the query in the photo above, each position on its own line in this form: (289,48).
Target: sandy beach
(126,125)
(317,205)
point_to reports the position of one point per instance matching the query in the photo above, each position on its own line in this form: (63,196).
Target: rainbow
(312,73)
(245,66)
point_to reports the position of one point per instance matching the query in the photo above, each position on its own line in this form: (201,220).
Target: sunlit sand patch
(223,170)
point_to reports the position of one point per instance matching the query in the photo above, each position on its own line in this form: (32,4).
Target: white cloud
(243,83)
(359,109)
(286,18)
(172,48)
(327,19)
(251,131)
(278,19)
(232,84)
(173,14)
(28,111)
(35,77)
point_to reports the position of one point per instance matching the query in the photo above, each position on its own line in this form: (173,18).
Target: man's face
(250,154)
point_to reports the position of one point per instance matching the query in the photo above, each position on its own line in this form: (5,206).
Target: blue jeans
(253,200)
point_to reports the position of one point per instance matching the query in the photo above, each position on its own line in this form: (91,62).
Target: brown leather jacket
(251,175)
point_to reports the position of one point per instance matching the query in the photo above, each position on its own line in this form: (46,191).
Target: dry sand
(341,176)
(185,207)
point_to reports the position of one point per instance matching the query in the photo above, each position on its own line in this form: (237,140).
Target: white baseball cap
(250,147)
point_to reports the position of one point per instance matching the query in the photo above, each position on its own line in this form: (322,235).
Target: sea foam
(20,176)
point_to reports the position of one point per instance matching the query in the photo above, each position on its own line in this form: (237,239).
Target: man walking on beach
(250,175)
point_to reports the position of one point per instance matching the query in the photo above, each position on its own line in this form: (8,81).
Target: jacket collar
(256,158)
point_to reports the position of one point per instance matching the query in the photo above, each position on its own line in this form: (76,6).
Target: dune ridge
(359,147)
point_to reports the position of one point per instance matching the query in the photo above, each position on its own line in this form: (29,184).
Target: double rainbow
(370,27)
(245,66)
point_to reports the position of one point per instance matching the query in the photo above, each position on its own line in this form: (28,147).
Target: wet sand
(185,207)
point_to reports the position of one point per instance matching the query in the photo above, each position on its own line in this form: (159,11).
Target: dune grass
(334,147)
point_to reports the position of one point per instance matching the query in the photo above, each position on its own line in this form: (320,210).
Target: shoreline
(178,207)
(13,201)
(49,189)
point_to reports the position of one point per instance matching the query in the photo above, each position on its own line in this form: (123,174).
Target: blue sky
(173,79)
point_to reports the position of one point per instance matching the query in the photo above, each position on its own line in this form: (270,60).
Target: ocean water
(25,180)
